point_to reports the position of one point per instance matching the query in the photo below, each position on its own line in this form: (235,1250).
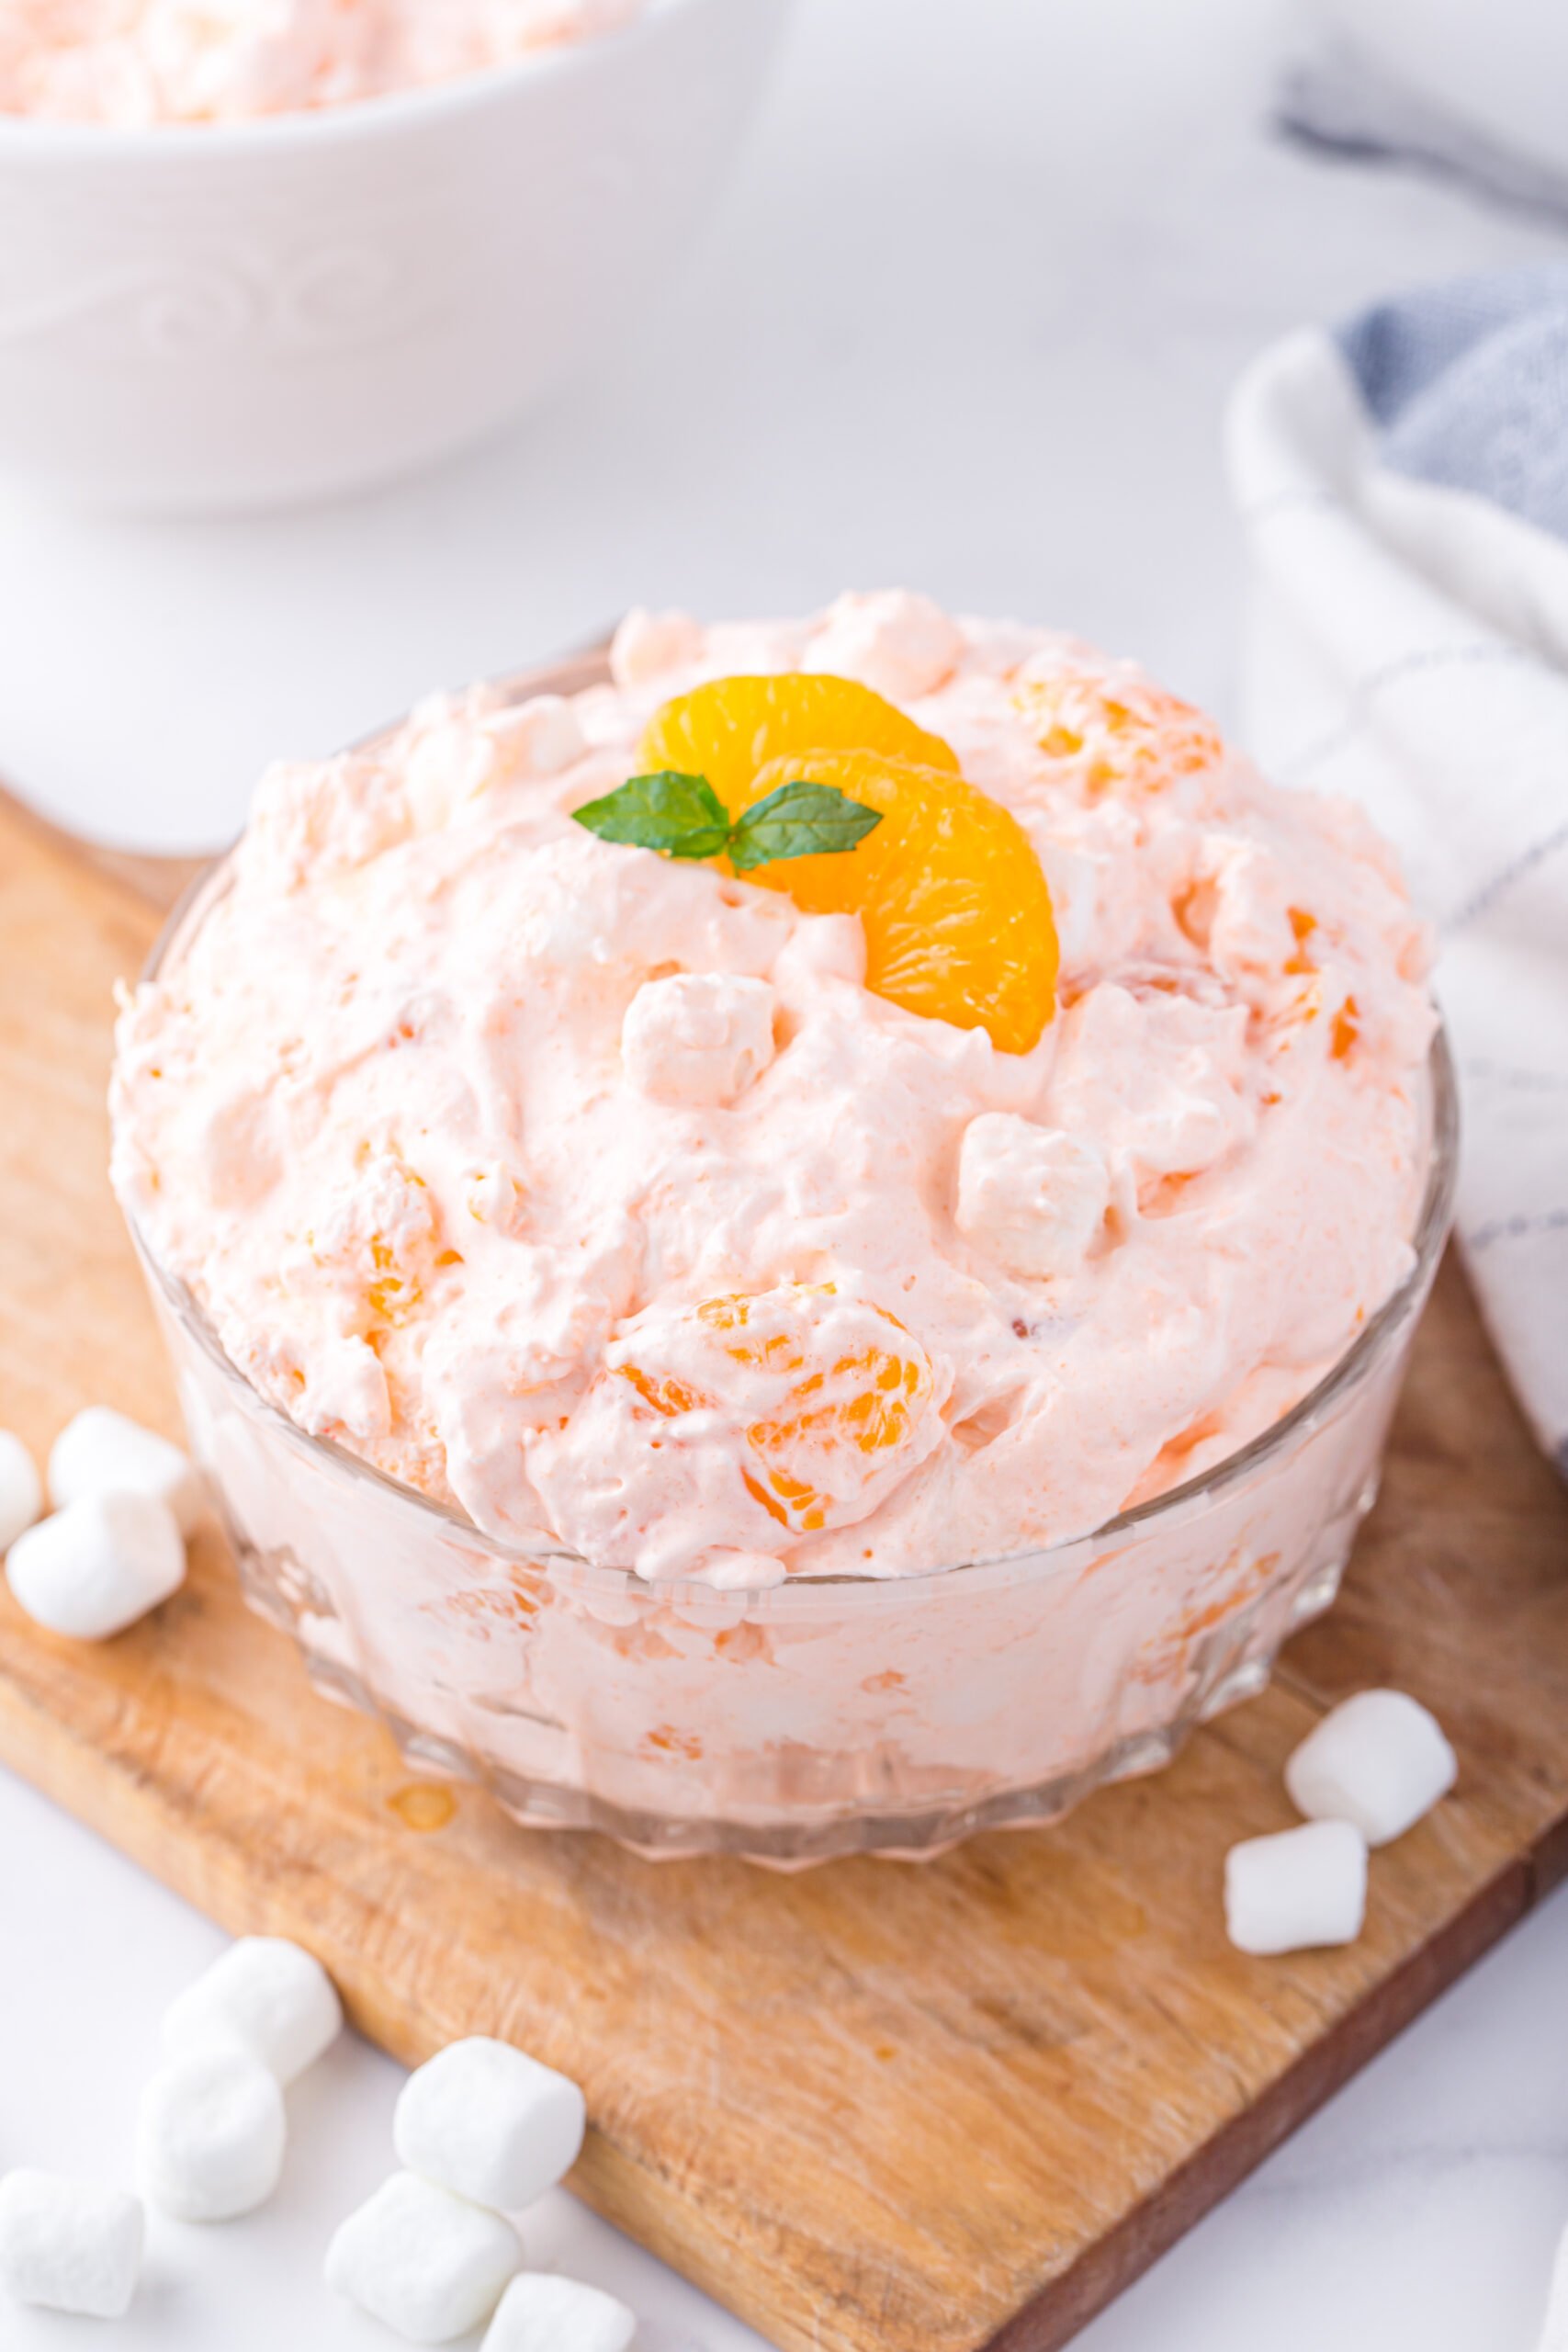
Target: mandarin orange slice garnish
(730,728)
(956,913)
(829,1393)
(1116,730)
(954,904)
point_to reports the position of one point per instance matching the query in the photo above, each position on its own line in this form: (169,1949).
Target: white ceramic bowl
(219,316)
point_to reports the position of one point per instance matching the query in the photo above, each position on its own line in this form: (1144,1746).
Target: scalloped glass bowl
(829,1715)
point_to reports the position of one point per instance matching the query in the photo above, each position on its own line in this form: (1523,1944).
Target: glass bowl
(831,1714)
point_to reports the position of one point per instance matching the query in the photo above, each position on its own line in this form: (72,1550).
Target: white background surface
(967,323)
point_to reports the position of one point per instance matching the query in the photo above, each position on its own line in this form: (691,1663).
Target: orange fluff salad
(852,1095)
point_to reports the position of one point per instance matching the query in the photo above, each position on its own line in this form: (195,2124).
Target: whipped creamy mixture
(137,61)
(593,1191)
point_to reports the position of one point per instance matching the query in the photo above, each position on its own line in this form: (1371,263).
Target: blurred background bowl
(211,317)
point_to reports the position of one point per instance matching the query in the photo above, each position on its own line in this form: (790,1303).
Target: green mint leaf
(800,819)
(682,815)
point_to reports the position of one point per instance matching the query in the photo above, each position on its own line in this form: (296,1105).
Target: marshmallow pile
(125,1503)
(1366,1774)
(481,2131)
(211,2134)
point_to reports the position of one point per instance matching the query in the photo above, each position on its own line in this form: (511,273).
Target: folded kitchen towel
(1404,487)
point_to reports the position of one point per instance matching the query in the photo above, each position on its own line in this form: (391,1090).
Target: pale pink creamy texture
(137,61)
(452,1116)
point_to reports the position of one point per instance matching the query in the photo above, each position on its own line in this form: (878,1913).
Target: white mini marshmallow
(697,1037)
(104,1453)
(487,2123)
(647,644)
(67,2246)
(1377,1759)
(1030,1197)
(21,1489)
(539,736)
(540,2313)
(210,2136)
(461,752)
(821,947)
(94,1568)
(264,1996)
(426,2264)
(900,644)
(1298,1889)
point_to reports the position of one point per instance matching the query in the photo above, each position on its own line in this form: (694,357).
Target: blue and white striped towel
(1404,487)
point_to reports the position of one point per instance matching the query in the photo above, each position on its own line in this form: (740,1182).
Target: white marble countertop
(967,323)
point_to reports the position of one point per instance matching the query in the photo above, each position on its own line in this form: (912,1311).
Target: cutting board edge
(1211,2173)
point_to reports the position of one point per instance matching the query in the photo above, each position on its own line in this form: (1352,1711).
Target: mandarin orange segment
(954,905)
(666,1396)
(728,729)
(394,1294)
(1117,731)
(827,1394)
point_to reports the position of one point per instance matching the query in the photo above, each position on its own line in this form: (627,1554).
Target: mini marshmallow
(647,645)
(1377,1759)
(96,1566)
(697,1037)
(104,1453)
(210,2136)
(487,2123)
(821,947)
(264,1996)
(426,2264)
(21,1489)
(1030,1197)
(69,2247)
(1298,1889)
(897,642)
(540,2313)
(540,737)
(464,750)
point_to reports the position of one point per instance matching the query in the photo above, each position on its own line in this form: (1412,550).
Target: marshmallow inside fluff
(468,1130)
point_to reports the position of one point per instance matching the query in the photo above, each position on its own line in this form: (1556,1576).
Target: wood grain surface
(875,2108)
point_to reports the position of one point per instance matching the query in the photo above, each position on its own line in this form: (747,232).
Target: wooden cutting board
(876,2108)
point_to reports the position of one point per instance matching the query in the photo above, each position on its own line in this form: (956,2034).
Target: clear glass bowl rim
(1382,1331)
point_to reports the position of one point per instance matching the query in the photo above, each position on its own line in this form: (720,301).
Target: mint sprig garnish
(799,820)
(684,816)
